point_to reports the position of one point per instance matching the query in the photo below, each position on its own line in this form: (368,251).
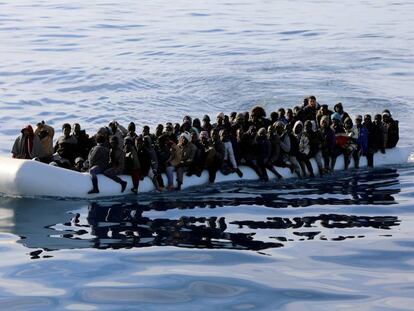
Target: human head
(113,126)
(312,101)
(348,123)
(297,128)
(367,118)
(257,113)
(145,130)
(206,119)
(185,137)
(197,123)
(76,128)
(308,126)
(339,108)
(131,127)
(220,118)
(324,122)
(358,120)
(66,128)
(159,129)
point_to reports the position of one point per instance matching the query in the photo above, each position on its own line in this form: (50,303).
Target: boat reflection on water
(180,219)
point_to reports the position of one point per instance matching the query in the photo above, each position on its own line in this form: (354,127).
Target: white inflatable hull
(27,178)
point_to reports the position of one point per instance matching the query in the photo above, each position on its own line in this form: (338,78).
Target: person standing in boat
(27,145)
(98,159)
(46,133)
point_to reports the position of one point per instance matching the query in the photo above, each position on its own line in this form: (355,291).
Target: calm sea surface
(344,242)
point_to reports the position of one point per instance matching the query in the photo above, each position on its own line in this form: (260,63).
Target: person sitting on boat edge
(45,133)
(182,155)
(116,163)
(27,145)
(66,148)
(98,160)
(132,164)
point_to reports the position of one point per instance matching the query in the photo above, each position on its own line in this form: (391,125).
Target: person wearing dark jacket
(328,142)
(392,130)
(116,163)
(263,149)
(84,142)
(373,139)
(215,152)
(98,159)
(66,148)
(132,165)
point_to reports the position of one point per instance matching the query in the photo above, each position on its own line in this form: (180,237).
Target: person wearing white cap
(182,156)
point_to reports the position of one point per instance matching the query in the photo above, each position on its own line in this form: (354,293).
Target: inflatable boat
(27,178)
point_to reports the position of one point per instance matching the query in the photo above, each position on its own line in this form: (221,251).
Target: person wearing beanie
(27,145)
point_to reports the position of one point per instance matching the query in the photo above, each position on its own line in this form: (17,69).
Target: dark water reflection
(179,219)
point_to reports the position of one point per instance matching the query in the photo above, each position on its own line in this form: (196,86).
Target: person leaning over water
(27,145)
(98,159)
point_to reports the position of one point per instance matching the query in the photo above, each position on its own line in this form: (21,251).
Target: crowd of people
(286,138)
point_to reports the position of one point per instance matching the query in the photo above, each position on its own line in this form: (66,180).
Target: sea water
(342,242)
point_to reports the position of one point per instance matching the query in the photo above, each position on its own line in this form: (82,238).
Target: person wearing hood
(182,156)
(27,145)
(303,149)
(66,148)
(116,163)
(328,142)
(98,160)
(45,133)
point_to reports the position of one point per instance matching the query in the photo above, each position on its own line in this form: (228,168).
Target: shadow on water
(49,225)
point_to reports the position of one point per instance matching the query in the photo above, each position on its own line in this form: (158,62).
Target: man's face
(66,131)
(76,129)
